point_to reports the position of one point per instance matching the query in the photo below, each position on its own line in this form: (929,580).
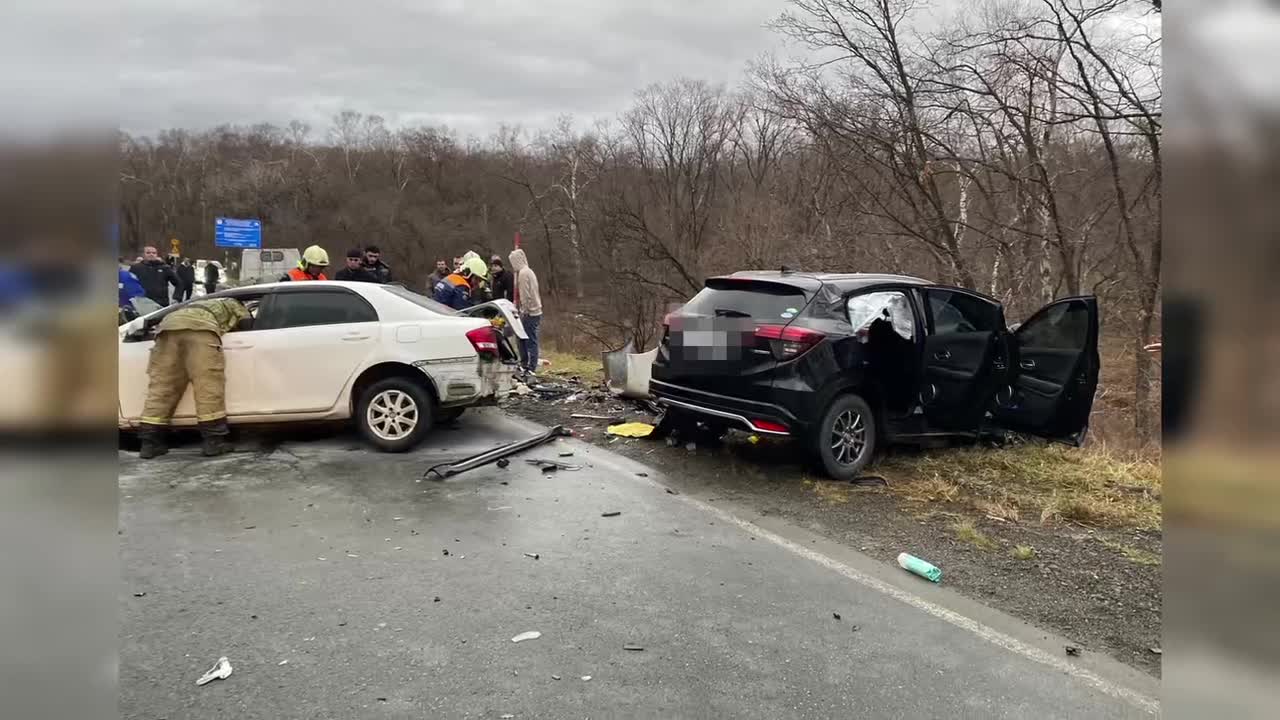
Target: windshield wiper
(727,312)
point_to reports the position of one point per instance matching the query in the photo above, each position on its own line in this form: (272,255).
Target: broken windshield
(889,305)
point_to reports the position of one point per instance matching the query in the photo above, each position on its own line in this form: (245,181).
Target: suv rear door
(1057,371)
(964,357)
(711,343)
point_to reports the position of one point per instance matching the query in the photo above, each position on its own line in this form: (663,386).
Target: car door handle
(354,338)
(1027,364)
(944,355)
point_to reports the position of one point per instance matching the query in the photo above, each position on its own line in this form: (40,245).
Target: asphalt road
(320,570)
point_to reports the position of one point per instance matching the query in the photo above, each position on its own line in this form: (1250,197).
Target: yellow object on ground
(632,429)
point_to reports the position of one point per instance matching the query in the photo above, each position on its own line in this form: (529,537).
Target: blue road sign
(233,233)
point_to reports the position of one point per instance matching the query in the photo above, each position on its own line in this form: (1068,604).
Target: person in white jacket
(529,302)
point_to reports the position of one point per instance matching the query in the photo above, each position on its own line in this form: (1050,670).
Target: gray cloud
(471,64)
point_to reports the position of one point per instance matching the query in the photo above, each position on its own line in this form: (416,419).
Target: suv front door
(1057,371)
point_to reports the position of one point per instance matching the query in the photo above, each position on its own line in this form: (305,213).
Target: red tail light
(789,342)
(769,426)
(484,340)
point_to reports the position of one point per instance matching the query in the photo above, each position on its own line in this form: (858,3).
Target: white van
(267,265)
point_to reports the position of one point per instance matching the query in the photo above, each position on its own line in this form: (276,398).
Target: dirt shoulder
(1081,558)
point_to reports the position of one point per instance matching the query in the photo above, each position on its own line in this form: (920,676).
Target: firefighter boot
(152,441)
(214,435)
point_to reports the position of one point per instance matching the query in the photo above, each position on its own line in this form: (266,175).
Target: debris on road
(139,594)
(446,470)
(445,551)
(671,491)
(535,556)
(551,465)
(913,564)
(613,513)
(555,677)
(566,453)
(855,628)
(283,662)
(835,615)
(503,463)
(633,648)
(607,418)
(1073,651)
(631,430)
(1156,651)
(531,635)
(506,716)
(220,671)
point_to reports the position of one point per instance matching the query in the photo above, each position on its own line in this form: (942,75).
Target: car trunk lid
(714,342)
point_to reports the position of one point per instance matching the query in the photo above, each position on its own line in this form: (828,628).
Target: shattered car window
(890,306)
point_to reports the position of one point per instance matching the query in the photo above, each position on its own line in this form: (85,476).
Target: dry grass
(1023,552)
(569,365)
(966,532)
(1132,554)
(1052,483)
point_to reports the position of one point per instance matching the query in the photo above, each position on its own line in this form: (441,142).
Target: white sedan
(395,361)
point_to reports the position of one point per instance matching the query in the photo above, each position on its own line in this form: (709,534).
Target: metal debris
(446,470)
(445,551)
(835,615)
(503,463)
(1156,651)
(633,648)
(1073,651)
(612,513)
(530,635)
(220,671)
(672,492)
(535,556)
(139,594)
(555,677)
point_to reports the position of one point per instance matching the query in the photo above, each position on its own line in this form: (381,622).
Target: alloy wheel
(392,415)
(848,437)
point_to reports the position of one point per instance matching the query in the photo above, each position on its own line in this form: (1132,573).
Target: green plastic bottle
(911,563)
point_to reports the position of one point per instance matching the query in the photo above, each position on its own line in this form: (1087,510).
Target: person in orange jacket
(314,261)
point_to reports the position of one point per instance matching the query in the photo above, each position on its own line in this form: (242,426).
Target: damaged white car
(394,361)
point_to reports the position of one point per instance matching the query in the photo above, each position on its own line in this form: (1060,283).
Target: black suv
(845,362)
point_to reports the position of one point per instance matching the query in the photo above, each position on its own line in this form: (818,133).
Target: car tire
(395,414)
(844,442)
(444,416)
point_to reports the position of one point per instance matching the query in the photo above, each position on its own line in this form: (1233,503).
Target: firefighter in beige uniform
(189,349)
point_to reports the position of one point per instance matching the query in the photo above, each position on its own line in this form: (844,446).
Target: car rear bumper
(743,414)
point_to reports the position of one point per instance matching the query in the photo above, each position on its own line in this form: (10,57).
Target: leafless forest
(1012,147)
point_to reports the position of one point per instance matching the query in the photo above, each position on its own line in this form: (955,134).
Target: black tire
(399,400)
(847,460)
(444,416)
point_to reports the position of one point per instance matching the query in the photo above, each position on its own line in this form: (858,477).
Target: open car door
(1057,372)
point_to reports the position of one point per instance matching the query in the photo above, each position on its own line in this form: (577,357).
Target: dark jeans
(184,293)
(529,348)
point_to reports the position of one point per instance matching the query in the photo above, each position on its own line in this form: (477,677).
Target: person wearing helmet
(454,290)
(311,267)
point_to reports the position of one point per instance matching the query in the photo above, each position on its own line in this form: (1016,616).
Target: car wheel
(395,414)
(845,440)
(448,415)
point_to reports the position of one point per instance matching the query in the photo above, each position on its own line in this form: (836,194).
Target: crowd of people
(152,276)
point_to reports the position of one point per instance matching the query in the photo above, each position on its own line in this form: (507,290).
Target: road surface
(341,585)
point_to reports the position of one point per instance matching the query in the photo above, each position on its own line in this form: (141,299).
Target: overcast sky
(470,64)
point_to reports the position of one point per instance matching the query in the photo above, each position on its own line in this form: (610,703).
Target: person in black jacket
(378,270)
(503,285)
(355,270)
(211,277)
(156,276)
(187,274)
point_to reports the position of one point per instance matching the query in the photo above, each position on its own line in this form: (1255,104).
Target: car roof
(812,281)
(290,286)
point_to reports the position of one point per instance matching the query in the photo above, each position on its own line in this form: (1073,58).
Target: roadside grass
(1023,552)
(571,365)
(1053,484)
(966,532)
(1134,555)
